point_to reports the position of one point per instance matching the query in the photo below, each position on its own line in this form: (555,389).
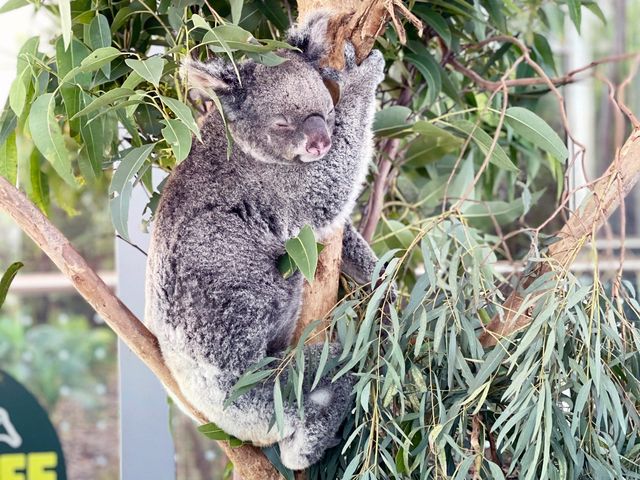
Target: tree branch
(607,194)
(249,460)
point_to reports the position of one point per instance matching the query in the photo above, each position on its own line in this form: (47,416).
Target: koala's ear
(311,36)
(216,75)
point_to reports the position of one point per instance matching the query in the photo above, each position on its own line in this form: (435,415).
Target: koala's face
(286,115)
(281,114)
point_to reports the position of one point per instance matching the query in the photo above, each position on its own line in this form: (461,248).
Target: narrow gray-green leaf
(484,141)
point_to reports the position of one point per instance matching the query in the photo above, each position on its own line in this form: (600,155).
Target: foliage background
(469,183)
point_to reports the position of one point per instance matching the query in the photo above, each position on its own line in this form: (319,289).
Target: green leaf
(428,67)
(149,69)
(435,21)
(47,137)
(9,159)
(65,21)
(13,5)
(391,120)
(214,432)
(304,252)
(38,188)
(432,144)
(95,60)
(481,138)
(272,9)
(286,267)
(178,137)
(537,131)
(278,405)
(24,75)
(236,10)
(7,278)
(122,186)
(183,113)
(103,100)
(575,12)
(99,32)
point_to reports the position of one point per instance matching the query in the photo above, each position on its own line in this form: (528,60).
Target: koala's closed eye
(280,122)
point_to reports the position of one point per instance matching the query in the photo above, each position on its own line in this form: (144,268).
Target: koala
(215,298)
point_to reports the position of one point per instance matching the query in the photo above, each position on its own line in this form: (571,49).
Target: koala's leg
(325,408)
(358,260)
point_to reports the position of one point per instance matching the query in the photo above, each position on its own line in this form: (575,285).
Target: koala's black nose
(316,135)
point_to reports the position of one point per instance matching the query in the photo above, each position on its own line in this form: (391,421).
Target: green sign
(29,445)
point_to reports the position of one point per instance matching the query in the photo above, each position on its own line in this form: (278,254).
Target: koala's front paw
(369,72)
(373,65)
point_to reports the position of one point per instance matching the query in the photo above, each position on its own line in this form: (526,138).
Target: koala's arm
(358,260)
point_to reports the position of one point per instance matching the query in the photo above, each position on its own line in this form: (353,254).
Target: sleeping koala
(215,298)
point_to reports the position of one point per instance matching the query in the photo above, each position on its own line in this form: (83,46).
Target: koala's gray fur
(215,297)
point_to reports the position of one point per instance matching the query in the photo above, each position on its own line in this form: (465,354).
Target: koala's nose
(316,136)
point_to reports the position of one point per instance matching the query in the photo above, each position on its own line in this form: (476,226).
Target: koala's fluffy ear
(311,36)
(215,74)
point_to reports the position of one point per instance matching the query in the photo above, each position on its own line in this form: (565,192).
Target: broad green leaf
(24,76)
(150,69)
(47,137)
(432,144)
(303,252)
(65,21)
(122,186)
(132,81)
(435,21)
(9,159)
(286,267)
(7,278)
(99,32)
(537,131)
(178,137)
(104,99)
(391,120)
(236,10)
(183,113)
(96,59)
(428,67)
(481,138)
